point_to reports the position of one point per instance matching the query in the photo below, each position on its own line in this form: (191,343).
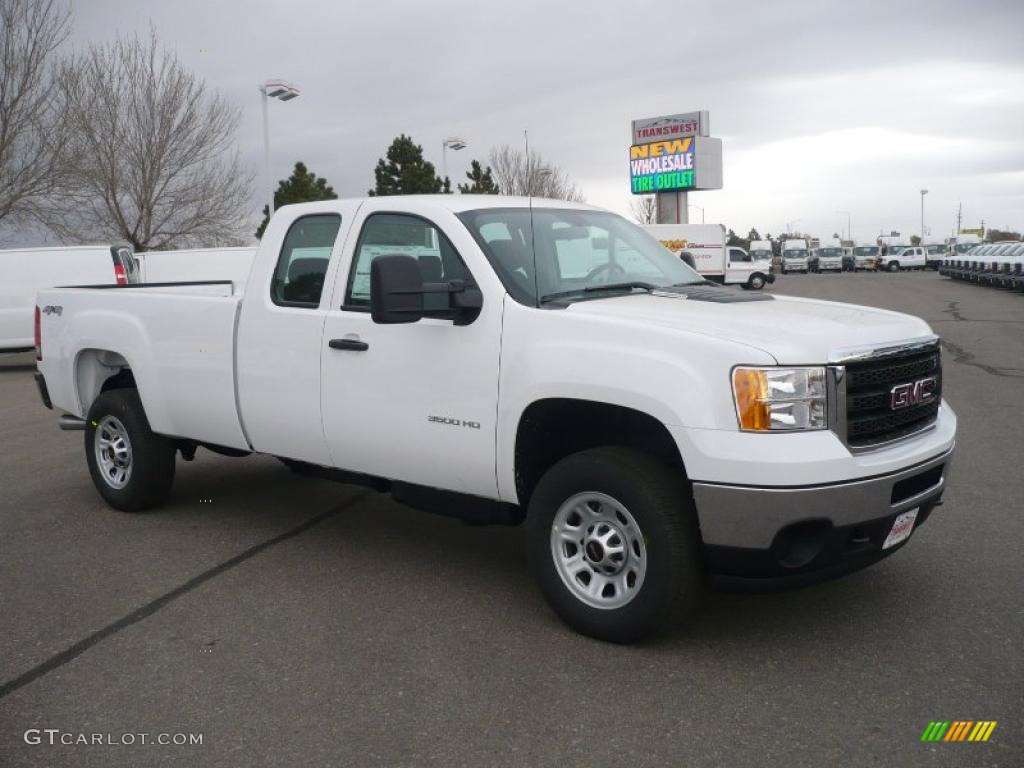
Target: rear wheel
(613,543)
(894,266)
(131,466)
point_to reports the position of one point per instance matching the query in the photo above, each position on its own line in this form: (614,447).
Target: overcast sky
(821,106)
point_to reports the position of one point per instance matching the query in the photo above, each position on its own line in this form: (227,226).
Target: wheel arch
(98,370)
(552,428)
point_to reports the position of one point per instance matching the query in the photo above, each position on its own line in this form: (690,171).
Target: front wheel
(756,282)
(131,466)
(613,542)
(894,266)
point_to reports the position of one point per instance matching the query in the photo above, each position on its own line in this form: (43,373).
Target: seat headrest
(304,266)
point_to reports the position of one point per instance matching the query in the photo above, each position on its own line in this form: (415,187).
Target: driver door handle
(353,344)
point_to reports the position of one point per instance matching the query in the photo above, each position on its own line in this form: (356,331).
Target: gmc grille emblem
(913,393)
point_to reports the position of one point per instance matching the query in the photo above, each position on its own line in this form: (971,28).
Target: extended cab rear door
(414,402)
(280,330)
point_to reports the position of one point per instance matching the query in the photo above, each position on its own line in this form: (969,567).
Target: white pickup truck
(503,360)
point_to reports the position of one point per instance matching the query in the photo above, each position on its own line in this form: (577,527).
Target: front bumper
(767,537)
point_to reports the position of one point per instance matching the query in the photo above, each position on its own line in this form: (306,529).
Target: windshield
(573,250)
(796,253)
(760,255)
(831,252)
(964,247)
(936,249)
(865,250)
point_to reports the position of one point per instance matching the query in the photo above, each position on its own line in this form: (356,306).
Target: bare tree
(32,121)
(516,174)
(154,163)
(645,209)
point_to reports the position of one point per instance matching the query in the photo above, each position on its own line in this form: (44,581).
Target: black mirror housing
(396,290)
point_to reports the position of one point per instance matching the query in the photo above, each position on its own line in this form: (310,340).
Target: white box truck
(830,256)
(703,246)
(795,256)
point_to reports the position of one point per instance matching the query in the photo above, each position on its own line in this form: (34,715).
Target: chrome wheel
(113,452)
(598,550)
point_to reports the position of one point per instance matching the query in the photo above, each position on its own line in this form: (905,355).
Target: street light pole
(923,193)
(453,143)
(272,89)
(849,233)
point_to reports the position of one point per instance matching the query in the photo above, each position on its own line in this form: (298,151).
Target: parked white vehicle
(28,270)
(961,244)
(550,363)
(196,264)
(795,256)
(761,250)
(711,257)
(934,253)
(830,256)
(908,257)
(866,256)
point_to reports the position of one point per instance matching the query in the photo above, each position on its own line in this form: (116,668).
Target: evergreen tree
(301,187)
(483,183)
(405,172)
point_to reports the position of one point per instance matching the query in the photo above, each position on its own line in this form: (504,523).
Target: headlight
(778,399)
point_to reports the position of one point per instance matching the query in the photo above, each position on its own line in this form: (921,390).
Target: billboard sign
(679,126)
(662,166)
(675,165)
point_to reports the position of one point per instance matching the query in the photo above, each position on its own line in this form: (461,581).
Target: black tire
(659,500)
(151,459)
(894,266)
(756,282)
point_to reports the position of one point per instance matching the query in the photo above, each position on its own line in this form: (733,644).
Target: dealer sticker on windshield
(901,528)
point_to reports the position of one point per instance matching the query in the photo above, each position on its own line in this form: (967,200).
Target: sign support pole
(672,208)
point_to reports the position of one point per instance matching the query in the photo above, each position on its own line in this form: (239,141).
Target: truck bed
(178,339)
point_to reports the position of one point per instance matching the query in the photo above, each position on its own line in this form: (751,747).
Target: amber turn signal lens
(750,387)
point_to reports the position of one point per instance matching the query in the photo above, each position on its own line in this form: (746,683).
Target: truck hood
(794,331)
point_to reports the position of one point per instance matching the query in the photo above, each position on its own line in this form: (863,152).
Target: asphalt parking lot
(299,622)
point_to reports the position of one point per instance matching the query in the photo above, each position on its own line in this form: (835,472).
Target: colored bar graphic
(958,730)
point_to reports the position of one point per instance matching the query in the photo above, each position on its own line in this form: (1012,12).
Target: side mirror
(396,290)
(398,294)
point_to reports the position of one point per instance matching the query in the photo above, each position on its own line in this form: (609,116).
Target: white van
(28,270)
(795,256)
(196,264)
(703,247)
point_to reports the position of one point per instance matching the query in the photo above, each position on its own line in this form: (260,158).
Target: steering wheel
(608,266)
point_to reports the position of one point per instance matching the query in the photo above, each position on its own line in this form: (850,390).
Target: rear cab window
(298,279)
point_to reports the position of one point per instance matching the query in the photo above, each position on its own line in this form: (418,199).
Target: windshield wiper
(598,288)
